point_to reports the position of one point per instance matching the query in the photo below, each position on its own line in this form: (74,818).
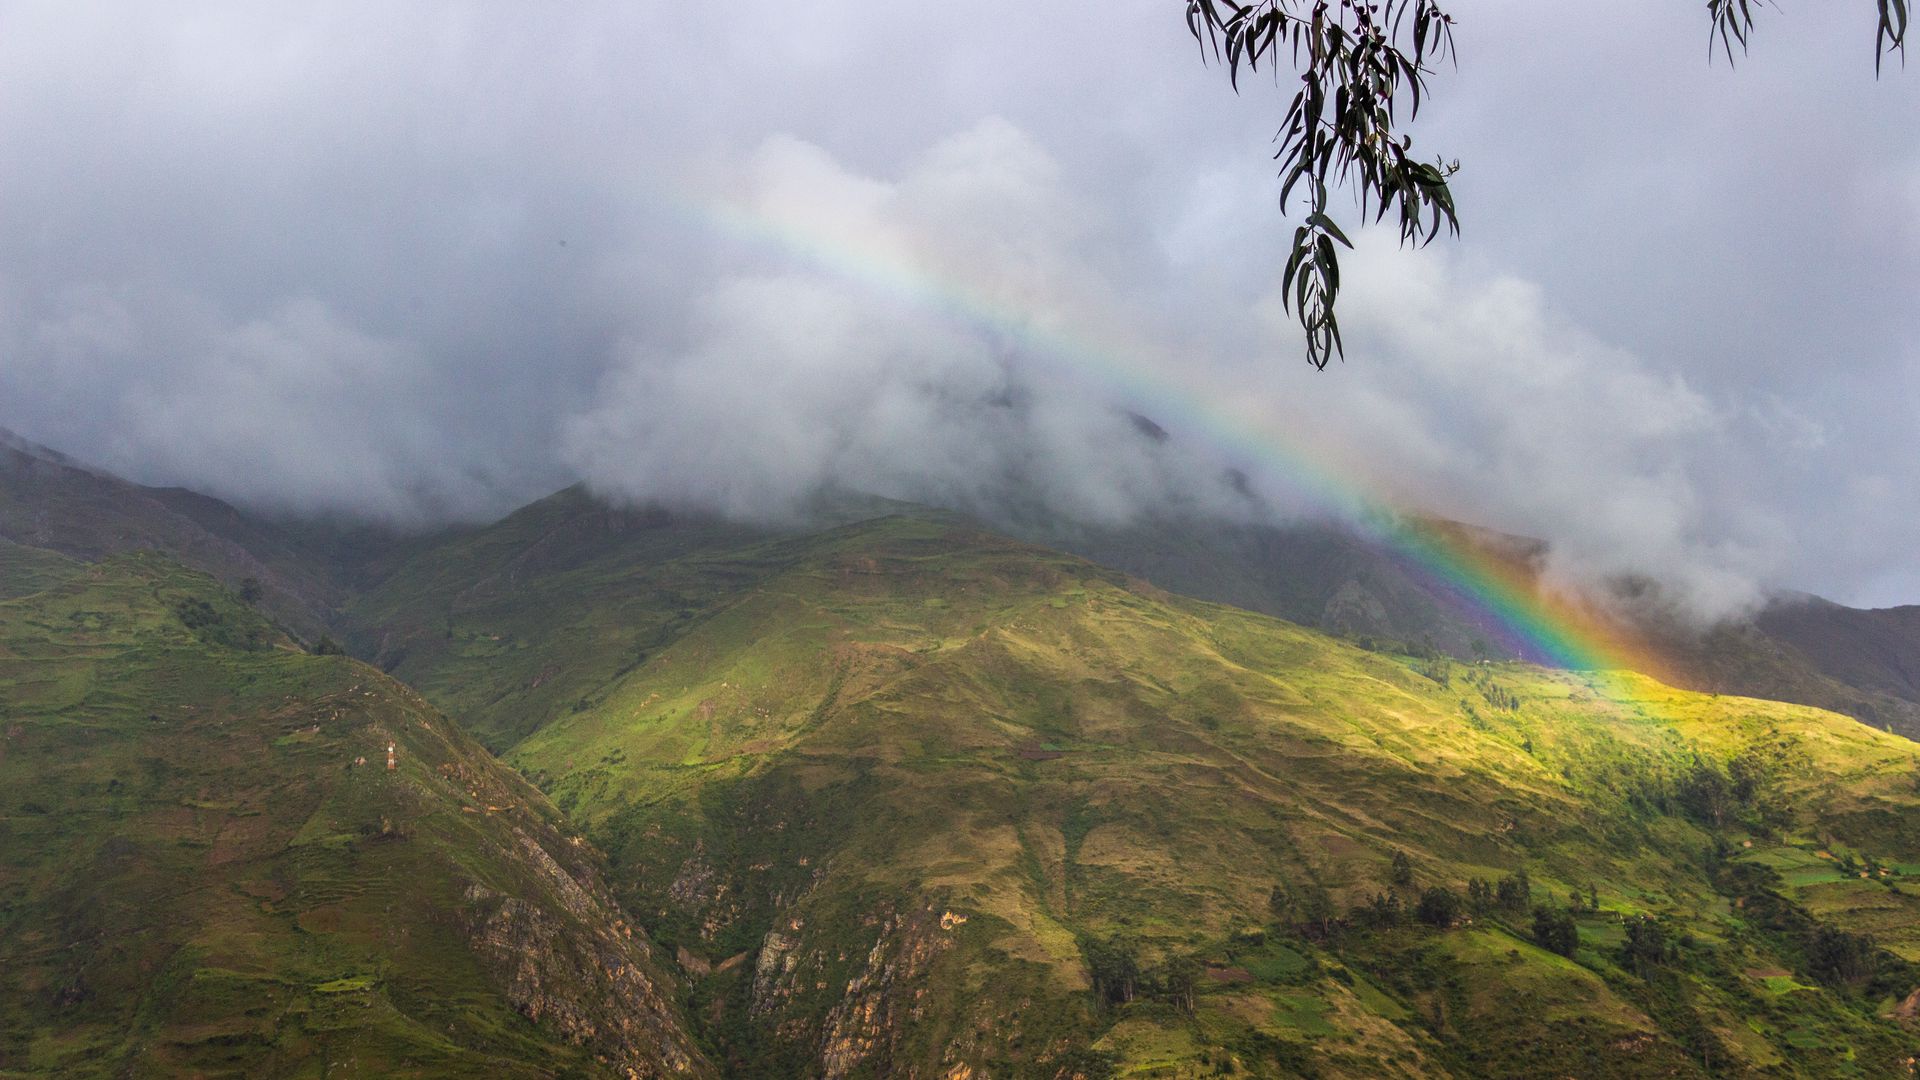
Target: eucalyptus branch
(1732,24)
(1363,66)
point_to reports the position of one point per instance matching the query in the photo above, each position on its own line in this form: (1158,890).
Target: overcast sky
(419,260)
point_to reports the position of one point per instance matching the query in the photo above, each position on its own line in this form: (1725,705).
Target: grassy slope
(26,570)
(849,742)
(527,618)
(201,878)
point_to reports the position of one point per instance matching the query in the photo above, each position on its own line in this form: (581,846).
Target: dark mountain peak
(1145,426)
(19,447)
(50,500)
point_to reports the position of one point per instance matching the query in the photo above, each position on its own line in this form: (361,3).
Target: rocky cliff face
(854,1010)
(585,975)
(885,1000)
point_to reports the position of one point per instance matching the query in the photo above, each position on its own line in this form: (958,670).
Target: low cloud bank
(417,263)
(845,362)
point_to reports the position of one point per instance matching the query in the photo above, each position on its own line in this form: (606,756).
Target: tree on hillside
(1479,896)
(1439,906)
(1515,891)
(1554,930)
(1382,912)
(1280,904)
(1306,908)
(1646,946)
(1401,874)
(1180,978)
(1363,76)
(1313,912)
(1836,957)
(1113,966)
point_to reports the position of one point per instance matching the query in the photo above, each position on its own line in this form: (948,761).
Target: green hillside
(510,624)
(911,799)
(211,871)
(1317,574)
(26,570)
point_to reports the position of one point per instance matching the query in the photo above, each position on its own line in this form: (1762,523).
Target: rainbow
(1557,629)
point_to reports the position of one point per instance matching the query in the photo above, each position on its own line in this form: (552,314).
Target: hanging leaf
(1363,70)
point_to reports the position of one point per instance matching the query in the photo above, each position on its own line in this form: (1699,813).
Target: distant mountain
(51,501)
(1875,650)
(210,865)
(1865,664)
(1319,574)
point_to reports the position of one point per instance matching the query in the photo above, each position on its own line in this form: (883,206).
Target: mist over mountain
(877,787)
(427,266)
(1325,574)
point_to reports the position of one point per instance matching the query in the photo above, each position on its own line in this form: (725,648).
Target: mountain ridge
(1863,663)
(1860,662)
(908,796)
(50,500)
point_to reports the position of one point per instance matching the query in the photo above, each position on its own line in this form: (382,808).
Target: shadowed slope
(512,624)
(211,869)
(48,500)
(1317,574)
(1876,650)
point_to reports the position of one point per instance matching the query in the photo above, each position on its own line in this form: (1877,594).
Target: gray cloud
(799,378)
(436,259)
